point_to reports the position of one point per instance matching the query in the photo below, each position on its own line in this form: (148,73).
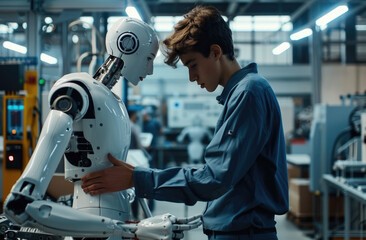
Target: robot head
(136,43)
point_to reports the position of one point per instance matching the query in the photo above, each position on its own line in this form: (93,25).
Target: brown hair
(200,28)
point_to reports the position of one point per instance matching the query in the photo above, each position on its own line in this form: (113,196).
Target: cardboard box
(300,198)
(293,171)
(59,186)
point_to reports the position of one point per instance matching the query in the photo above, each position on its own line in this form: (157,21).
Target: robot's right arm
(182,135)
(68,103)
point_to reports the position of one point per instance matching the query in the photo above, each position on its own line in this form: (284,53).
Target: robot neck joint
(109,72)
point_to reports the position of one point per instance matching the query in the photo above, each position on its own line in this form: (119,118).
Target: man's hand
(113,179)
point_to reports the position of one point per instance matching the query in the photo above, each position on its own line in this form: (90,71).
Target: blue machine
(328,122)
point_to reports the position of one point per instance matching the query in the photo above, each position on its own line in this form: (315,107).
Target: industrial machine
(20,121)
(328,122)
(341,131)
(86,123)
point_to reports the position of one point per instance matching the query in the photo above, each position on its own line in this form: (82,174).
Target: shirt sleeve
(230,154)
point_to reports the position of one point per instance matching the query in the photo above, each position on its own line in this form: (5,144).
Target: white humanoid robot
(86,122)
(196,134)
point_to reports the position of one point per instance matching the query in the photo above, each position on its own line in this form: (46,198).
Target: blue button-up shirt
(244,179)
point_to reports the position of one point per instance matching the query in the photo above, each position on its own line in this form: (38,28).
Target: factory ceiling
(150,8)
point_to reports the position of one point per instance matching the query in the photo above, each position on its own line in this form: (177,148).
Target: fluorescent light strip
(281,48)
(132,12)
(15,47)
(301,34)
(338,11)
(360,27)
(48,59)
(21,49)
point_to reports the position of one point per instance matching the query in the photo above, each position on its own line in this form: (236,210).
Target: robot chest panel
(111,120)
(108,132)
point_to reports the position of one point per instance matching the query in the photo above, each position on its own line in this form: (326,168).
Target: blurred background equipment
(182,111)
(196,134)
(20,121)
(343,162)
(327,125)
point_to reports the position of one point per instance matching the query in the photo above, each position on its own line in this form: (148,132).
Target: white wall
(340,79)
(288,114)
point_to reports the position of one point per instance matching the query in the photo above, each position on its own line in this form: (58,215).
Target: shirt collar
(234,79)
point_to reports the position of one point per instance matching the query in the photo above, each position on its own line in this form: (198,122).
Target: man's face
(205,71)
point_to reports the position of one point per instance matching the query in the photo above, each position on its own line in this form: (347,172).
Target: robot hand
(61,220)
(165,227)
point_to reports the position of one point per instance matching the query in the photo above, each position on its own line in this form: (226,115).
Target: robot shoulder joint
(71,98)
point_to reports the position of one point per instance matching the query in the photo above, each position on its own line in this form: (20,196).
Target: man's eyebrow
(188,62)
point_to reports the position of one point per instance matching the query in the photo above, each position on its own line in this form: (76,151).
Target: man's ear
(216,51)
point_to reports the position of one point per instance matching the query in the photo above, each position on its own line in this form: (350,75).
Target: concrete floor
(285,228)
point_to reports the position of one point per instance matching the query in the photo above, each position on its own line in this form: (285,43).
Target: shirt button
(230,132)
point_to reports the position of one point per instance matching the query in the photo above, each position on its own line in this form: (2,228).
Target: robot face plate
(136,43)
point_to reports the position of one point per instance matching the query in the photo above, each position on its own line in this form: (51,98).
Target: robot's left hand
(165,227)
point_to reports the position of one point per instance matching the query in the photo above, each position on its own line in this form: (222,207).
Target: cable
(94,52)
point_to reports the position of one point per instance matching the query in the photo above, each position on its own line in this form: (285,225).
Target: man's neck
(229,67)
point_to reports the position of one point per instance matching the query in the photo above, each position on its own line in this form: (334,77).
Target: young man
(244,179)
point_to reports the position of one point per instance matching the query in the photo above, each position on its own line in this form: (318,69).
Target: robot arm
(62,220)
(69,102)
(182,135)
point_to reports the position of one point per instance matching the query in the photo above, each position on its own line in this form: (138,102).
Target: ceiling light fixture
(281,48)
(48,59)
(338,11)
(21,49)
(301,34)
(15,47)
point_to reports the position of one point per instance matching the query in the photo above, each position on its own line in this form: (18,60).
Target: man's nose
(192,78)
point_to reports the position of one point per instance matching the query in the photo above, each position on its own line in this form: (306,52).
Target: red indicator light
(11,158)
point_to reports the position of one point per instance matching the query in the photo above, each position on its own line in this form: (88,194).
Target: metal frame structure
(349,193)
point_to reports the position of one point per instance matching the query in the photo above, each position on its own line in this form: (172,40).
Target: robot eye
(127,43)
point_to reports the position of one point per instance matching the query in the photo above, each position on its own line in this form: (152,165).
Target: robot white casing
(98,126)
(105,130)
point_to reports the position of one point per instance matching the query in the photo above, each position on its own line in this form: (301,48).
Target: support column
(350,54)
(66,66)
(33,43)
(34,37)
(316,65)
(316,53)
